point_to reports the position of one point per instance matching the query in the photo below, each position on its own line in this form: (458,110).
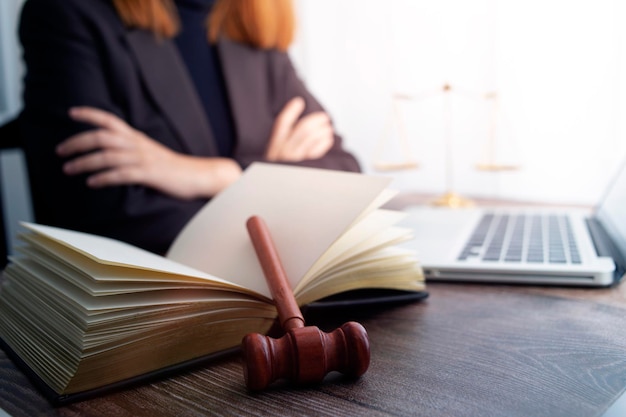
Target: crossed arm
(114,153)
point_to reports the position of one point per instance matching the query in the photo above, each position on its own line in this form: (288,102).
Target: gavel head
(305,355)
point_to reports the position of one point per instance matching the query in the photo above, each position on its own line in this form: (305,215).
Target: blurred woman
(137,112)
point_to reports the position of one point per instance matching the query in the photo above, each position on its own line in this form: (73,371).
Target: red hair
(157,16)
(259,23)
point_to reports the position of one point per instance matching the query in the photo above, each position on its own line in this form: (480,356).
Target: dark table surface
(468,350)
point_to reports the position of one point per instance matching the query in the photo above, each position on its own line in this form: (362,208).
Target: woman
(133,119)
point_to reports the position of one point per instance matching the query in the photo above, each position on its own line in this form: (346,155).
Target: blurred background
(488,98)
(14,194)
(543,81)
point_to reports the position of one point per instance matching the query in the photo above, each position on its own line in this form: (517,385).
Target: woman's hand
(295,139)
(116,154)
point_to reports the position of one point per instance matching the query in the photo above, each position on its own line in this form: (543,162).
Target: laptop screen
(612,211)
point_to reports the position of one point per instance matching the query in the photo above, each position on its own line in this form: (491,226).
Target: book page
(305,209)
(369,226)
(108,251)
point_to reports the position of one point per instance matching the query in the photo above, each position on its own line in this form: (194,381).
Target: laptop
(525,245)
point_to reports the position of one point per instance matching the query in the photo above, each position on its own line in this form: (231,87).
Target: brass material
(453,200)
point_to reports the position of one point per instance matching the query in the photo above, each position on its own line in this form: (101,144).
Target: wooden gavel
(305,354)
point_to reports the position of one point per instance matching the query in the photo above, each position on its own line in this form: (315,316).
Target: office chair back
(10,139)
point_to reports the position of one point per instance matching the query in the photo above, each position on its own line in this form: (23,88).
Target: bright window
(555,66)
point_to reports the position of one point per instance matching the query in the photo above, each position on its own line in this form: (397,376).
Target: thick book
(82,312)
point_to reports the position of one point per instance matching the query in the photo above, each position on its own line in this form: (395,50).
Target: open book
(83,311)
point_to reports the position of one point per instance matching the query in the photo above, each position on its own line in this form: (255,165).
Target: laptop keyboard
(534,238)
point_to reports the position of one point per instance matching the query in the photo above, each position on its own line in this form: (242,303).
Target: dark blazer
(78,52)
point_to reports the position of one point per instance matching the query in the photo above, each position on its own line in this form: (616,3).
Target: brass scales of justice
(490,163)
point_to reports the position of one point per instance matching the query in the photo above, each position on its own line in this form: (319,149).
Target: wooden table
(468,350)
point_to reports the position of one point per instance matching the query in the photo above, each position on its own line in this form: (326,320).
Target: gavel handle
(304,354)
(289,313)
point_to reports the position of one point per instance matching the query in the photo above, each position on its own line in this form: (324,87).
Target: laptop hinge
(605,246)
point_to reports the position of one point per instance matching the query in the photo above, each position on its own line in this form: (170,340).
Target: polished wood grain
(289,313)
(468,350)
